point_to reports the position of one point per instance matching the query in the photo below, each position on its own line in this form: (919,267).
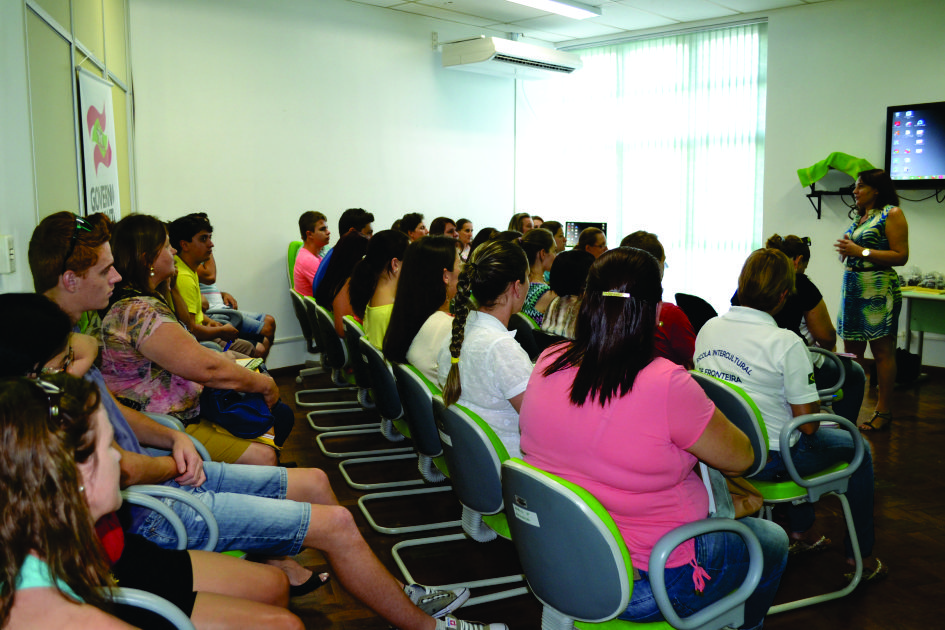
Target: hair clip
(454,360)
(615,294)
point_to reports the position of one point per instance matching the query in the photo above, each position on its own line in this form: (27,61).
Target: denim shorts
(247,322)
(251,510)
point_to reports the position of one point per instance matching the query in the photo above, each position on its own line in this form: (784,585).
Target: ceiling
(618,17)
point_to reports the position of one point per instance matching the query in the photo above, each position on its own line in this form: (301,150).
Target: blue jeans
(853,387)
(815,452)
(251,509)
(724,557)
(247,322)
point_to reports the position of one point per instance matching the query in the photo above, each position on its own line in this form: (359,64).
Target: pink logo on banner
(95,121)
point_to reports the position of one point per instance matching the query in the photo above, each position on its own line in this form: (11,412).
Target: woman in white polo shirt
(773,366)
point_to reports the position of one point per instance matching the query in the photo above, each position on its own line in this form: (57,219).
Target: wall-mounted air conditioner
(505,57)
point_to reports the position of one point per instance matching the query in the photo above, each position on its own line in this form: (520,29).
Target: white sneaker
(436,603)
(452,623)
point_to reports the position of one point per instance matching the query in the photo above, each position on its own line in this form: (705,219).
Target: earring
(81,488)
(152,271)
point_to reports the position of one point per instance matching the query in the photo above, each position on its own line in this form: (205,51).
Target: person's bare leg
(226,575)
(334,532)
(258,455)
(310,485)
(857,348)
(213,611)
(884,351)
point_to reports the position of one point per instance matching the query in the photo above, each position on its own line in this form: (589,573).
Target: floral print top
(134,378)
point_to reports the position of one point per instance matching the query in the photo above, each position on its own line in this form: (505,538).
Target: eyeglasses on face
(80,224)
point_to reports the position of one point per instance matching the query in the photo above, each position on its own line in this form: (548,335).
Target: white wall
(255,112)
(833,68)
(17,197)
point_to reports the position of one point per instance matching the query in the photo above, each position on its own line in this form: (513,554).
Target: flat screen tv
(915,146)
(573,229)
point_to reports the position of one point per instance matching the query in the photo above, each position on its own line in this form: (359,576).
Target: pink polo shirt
(306,264)
(629,454)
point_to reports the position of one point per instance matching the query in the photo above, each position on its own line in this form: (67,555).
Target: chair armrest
(827,394)
(173,423)
(166,492)
(817,484)
(152,503)
(728,611)
(150,601)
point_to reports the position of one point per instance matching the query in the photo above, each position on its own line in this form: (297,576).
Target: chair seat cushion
(777,491)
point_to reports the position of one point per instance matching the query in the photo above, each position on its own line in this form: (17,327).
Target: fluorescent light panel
(567,8)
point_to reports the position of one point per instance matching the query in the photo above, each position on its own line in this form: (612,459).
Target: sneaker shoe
(452,623)
(434,602)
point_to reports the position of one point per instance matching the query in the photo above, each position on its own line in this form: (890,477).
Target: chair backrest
(334,353)
(741,411)
(353,333)
(474,456)
(696,309)
(383,386)
(311,314)
(572,554)
(294,248)
(524,327)
(298,305)
(416,395)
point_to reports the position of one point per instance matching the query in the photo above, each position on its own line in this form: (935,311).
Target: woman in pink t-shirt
(603,413)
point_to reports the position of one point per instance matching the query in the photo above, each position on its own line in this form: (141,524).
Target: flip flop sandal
(315,582)
(870,426)
(879,572)
(799,547)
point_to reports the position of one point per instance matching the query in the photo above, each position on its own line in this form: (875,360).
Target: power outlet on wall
(7,255)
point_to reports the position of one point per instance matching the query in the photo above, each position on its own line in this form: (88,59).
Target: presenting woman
(629,428)
(870,300)
(149,360)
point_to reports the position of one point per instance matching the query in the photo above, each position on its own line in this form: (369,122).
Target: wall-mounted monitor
(573,229)
(915,146)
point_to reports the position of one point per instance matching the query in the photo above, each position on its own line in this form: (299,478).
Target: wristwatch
(866,253)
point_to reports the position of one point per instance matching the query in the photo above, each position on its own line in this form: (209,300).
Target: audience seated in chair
(373,283)
(191,240)
(258,328)
(772,365)
(481,366)
(267,510)
(675,337)
(567,280)
(352,220)
(805,314)
(332,292)
(642,467)
(420,322)
(540,249)
(61,435)
(313,228)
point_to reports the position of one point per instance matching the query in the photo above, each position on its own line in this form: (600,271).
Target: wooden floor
(909,461)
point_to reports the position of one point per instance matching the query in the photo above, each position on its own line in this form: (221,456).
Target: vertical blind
(664,135)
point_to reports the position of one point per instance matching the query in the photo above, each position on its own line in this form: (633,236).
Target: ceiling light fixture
(567,8)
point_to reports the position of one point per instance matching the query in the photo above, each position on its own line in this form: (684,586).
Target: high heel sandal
(870,425)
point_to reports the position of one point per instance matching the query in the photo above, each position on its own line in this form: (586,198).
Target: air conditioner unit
(508,58)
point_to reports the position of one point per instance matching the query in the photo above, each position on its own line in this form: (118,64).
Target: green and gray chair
(743,413)
(579,568)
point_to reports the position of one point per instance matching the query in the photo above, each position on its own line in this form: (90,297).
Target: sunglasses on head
(80,224)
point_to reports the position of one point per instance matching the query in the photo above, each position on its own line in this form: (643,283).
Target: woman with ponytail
(540,248)
(421,321)
(482,367)
(374,283)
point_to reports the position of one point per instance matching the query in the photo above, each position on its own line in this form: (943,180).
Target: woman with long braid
(482,367)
